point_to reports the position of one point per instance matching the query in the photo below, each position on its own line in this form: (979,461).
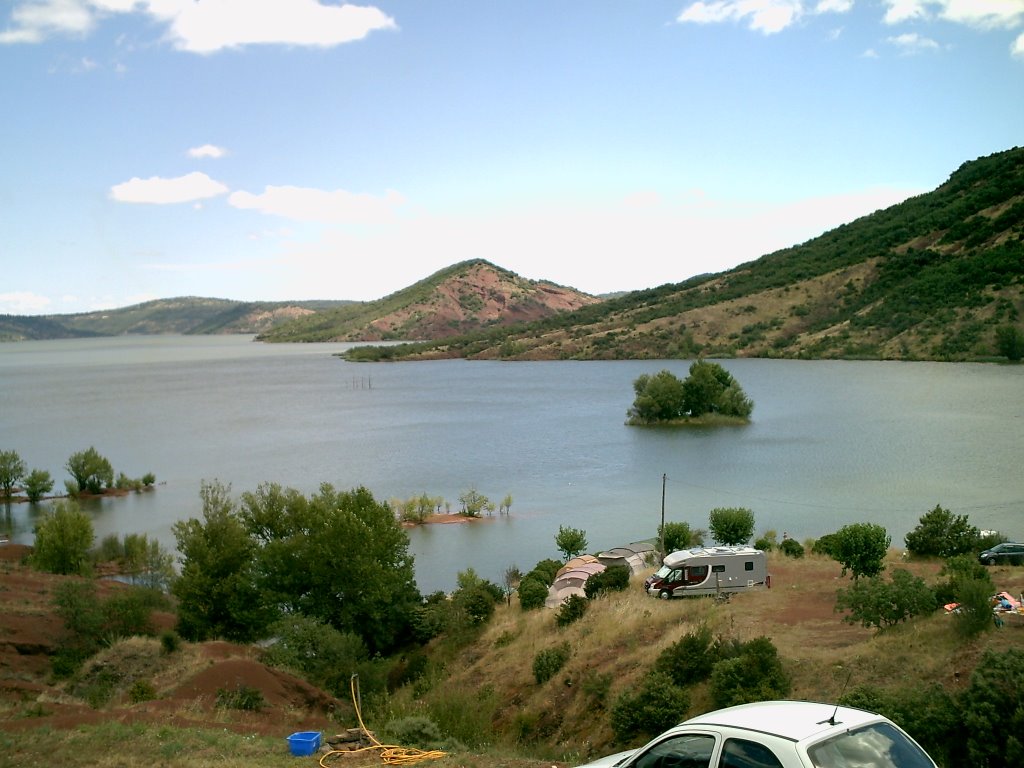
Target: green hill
(933,277)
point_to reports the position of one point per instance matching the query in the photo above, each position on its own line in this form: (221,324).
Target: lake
(831,442)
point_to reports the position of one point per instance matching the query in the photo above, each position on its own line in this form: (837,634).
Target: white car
(778,734)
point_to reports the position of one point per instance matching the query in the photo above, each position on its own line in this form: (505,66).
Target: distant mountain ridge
(459,299)
(182,315)
(936,277)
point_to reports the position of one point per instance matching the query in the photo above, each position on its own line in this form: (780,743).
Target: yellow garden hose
(389,754)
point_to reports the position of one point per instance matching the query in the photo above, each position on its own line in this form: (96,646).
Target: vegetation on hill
(183,315)
(939,276)
(464,297)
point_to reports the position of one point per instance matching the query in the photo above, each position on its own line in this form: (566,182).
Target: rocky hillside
(935,277)
(184,315)
(463,298)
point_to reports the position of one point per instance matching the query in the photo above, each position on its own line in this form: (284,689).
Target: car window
(740,753)
(880,745)
(690,750)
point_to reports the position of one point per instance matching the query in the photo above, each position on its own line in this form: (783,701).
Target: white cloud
(833,6)
(208,26)
(911,42)
(898,11)
(157,190)
(23,303)
(767,16)
(206,150)
(1017,49)
(306,204)
(36,20)
(980,14)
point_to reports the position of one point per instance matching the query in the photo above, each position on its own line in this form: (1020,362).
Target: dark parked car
(1007,553)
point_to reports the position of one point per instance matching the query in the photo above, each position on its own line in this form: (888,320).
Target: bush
(657,706)
(545,571)
(992,708)
(420,732)
(973,614)
(141,690)
(613,579)
(825,545)
(170,641)
(690,659)
(940,533)
(37,484)
(243,697)
(573,609)
(792,548)
(63,540)
(767,541)
(875,602)
(532,593)
(548,661)
(756,674)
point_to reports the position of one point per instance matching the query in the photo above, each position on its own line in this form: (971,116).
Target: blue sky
(304,149)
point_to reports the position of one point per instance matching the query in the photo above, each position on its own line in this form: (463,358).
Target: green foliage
(940,533)
(532,593)
(825,545)
(957,571)
(217,591)
(12,469)
(549,661)
(1010,342)
(691,658)
(570,541)
(767,541)
(141,690)
(572,609)
(992,708)
(464,714)
(138,557)
(37,484)
(755,674)
(973,614)
(415,732)
(615,578)
(90,471)
(317,652)
(473,503)
(731,525)
(243,697)
(63,539)
(659,397)
(656,706)
(711,389)
(474,604)
(860,548)
(148,479)
(792,548)
(676,536)
(170,642)
(875,602)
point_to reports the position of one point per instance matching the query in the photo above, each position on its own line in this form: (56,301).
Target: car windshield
(663,572)
(879,745)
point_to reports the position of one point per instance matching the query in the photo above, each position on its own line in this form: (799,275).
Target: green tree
(711,389)
(940,533)
(1010,342)
(90,471)
(571,541)
(338,556)
(677,536)
(473,503)
(532,593)
(860,548)
(875,602)
(731,525)
(216,590)
(659,397)
(992,708)
(12,469)
(324,656)
(38,483)
(63,539)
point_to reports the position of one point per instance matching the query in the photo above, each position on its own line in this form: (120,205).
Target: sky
(308,149)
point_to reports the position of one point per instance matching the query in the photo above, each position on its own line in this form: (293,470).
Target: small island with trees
(709,395)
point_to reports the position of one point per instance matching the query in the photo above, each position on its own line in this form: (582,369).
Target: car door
(681,750)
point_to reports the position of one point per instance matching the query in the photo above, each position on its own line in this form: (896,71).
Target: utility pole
(663,552)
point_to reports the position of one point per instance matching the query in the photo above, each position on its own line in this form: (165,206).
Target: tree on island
(12,469)
(90,471)
(708,390)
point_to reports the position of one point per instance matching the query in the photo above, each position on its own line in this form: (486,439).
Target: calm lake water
(830,443)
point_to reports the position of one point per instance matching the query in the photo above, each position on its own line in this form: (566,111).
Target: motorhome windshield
(879,746)
(663,572)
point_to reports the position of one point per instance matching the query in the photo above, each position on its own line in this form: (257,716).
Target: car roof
(793,720)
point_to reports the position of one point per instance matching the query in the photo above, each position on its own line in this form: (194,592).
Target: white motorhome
(709,571)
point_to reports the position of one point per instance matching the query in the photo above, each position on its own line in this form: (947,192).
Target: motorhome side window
(748,565)
(718,569)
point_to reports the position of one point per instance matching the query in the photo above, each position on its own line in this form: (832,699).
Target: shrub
(532,593)
(992,708)
(973,613)
(573,609)
(243,697)
(613,579)
(860,548)
(63,540)
(141,690)
(170,641)
(875,602)
(417,731)
(825,545)
(37,484)
(767,541)
(940,533)
(690,659)
(548,661)
(792,548)
(755,674)
(657,706)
